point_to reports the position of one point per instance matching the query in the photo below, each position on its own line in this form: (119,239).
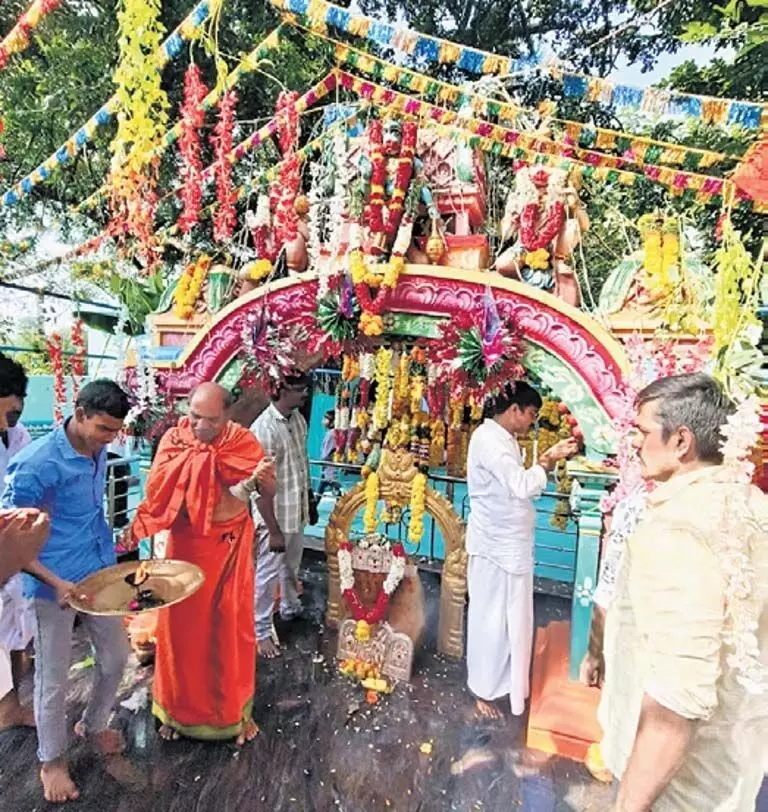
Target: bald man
(198,488)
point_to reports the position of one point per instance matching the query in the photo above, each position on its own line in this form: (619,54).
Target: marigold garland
(371,502)
(418,506)
(141,126)
(381,405)
(189,287)
(225,218)
(191,170)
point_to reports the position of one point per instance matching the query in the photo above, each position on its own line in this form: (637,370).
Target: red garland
(379,610)
(191,171)
(402,177)
(55,354)
(371,304)
(375,207)
(530,238)
(77,362)
(285,188)
(225,219)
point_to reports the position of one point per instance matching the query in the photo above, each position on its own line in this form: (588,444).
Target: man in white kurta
(500,532)
(16,615)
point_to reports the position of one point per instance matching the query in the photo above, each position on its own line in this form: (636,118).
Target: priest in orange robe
(198,489)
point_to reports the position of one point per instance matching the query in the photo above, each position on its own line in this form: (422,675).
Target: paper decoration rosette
(479,351)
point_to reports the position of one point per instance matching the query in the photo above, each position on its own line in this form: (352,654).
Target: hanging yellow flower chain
(371,502)
(418,506)
(381,407)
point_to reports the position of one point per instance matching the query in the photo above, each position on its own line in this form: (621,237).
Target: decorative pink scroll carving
(544,324)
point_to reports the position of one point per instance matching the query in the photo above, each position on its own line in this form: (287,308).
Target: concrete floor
(321,747)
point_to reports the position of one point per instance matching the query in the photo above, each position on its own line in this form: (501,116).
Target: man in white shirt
(500,532)
(16,616)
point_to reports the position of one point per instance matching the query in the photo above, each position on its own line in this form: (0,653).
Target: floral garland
(225,218)
(191,170)
(367,618)
(374,213)
(189,287)
(402,177)
(371,502)
(418,507)
(259,223)
(741,533)
(314,229)
(537,239)
(381,406)
(77,362)
(55,348)
(140,128)
(286,185)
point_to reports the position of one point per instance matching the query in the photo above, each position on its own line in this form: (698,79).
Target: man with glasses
(280,520)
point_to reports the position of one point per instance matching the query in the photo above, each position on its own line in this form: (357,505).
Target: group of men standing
(221,491)
(684,707)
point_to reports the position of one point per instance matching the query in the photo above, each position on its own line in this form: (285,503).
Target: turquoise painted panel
(555,550)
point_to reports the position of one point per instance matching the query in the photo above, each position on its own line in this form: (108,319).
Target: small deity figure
(545,219)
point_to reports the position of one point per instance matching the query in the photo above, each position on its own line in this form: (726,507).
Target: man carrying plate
(64,475)
(199,488)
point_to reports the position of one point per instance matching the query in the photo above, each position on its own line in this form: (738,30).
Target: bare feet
(487,710)
(13,714)
(268,648)
(108,742)
(58,786)
(250,732)
(167,733)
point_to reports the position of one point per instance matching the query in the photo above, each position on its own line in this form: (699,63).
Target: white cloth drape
(499,633)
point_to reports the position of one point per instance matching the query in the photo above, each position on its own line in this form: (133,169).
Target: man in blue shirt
(64,474)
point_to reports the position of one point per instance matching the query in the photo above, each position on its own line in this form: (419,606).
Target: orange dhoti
(205,666)
(205,663)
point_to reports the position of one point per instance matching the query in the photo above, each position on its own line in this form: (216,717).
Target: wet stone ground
(321,746)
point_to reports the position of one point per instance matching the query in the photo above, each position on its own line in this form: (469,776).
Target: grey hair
(694,401)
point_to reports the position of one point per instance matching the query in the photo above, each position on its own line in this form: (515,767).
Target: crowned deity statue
(544,220)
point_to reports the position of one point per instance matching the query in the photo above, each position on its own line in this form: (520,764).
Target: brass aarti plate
(111,591)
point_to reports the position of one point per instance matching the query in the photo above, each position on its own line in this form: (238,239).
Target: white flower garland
(394,577)
(338,205)
(741,532)
(314,219)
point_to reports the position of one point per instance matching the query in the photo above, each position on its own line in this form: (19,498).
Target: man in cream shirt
(500,546)
(684,711)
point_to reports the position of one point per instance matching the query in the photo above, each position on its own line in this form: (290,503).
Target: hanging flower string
(402,177)
(192,121)
(225,218)
(743,530)
(55,349)
(286,186)
(77,362)
(141,127)
(190,286)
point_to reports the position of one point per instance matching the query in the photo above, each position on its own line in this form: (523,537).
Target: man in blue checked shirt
(64,474)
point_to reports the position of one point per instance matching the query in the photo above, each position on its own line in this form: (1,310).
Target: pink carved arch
(574,337)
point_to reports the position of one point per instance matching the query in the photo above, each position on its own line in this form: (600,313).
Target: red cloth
(205,666)
(189,474)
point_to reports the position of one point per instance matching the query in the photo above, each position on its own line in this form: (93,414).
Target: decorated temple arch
(570,352)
